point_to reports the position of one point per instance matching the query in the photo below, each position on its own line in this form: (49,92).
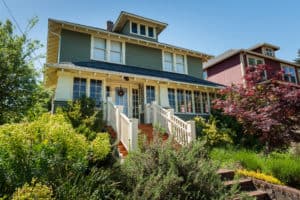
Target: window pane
(180,101)
(179,59)
(150,94)
(99,43)
(134,27)
(150,32)
(188,101)
(180,68)
(251,61)
(168,57)
(171,96)
(259,62)
(115,46)
(197,100)
(79,88)
(115,57)
(168,66)
(143,30)
(99,54)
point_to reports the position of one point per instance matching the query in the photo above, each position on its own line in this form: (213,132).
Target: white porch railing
(126,129)
(183,132)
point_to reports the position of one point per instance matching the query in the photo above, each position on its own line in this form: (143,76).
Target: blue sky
(211,26)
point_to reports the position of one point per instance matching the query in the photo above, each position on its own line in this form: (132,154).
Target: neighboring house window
(99,49)
(188,100)
(150,94)
(198,101)
(79,88)
(150,32)
(204,75)
(289,74)
(174,62)
(171,96)
(106,50)
(168,62)
(269,52)
(180,101)
(134,28)
(116,52)
(254,61)
(96,91)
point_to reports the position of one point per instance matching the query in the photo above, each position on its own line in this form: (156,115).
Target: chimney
(109,25)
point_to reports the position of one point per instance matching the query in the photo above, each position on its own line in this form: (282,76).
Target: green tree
(297,60)
(18,77)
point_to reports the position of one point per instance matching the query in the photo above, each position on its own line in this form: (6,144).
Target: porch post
(134,134)
(169,124)
(108,111)
(118,121)
(154,113)
(191,130)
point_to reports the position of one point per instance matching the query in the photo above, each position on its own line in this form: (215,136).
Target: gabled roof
(264,45)
(127,70)
(125,16)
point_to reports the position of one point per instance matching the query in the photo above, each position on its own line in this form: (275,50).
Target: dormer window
(269,52)
(142,30)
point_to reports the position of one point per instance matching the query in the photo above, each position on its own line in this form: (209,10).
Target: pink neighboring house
(230,66)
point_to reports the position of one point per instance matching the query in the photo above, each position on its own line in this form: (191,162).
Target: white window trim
(139,30)
(289,66)
(264,49)
(108,50)
(257,58)
(185,65)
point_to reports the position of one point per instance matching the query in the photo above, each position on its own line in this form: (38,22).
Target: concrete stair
(245,185)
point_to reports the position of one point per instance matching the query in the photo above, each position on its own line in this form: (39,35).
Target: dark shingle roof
(146,72)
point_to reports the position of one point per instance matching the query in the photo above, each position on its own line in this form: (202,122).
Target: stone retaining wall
(277,192)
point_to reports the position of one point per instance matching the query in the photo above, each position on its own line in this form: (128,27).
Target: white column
(192,130)
(208,101)
(134,134)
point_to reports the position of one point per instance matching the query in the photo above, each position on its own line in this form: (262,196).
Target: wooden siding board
(194,67)
(145,57)
(75,46)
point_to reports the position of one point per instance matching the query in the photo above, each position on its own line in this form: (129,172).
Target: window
(188,101)
(173,62)
(180,101)
(99,49)
(116,52)
(150,94)
(168,62)
(134,27)
(150,32)
(107,91)
(135,103)
(289,74)
(171,96)
(180,64)
(96,91)
(269,52)
(198,101)
(79,88)
(204,75)
(143,29)
(205,103)
(253,61)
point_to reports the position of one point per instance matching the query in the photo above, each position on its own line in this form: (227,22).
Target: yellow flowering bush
(260,176)
(100,146)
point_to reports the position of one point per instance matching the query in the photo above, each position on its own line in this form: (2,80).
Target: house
(125,68)
(230,67)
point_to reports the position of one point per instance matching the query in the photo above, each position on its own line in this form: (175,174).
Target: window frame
(146,94)
(108,50)
(257,58)
(139,30)
(268,50)
(289,67)
(174,62)
(96,92)
(79,88)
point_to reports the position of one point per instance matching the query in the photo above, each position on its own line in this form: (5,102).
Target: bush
(47,148)
(33,191)
(100,147)
(213,135)
(162,172)
(260,176)
(98,184)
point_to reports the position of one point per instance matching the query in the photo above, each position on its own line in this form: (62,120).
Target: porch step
(121,149)
(245,185)
(148,130)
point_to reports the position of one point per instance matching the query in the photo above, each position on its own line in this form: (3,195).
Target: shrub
(98,184)
(47,148)
(162,172)
(100,146)
(260,176)
(33,191)
(211,133)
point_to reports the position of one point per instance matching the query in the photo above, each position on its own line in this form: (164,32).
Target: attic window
(269,52)
(150,32)
(134,28)
(143,30)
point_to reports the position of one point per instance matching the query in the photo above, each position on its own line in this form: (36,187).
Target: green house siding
(194,67)
(145,57)
(75,46)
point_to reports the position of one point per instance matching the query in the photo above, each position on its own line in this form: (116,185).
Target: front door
(121,98)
